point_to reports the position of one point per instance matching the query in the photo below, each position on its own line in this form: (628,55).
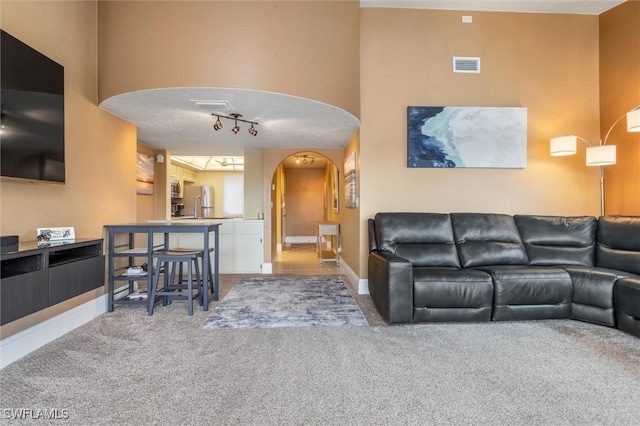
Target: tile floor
(302,259)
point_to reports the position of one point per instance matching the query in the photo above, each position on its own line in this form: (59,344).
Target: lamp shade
(563,145)
(633,120)
(602,155)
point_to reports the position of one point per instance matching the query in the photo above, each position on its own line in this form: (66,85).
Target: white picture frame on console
(56,234)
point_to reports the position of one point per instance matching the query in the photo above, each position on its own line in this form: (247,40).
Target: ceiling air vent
(213,106)
(466,64)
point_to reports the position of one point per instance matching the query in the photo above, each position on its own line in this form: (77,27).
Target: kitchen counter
(186,219)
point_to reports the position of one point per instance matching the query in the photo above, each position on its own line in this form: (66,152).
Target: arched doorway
(304,192)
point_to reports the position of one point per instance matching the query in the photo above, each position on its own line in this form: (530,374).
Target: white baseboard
(363,284)
(15,347)
(301,239)
(267,268)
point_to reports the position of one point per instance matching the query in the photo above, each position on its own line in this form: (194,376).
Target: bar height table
(129,250)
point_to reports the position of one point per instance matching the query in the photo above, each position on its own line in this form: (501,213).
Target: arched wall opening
(304,191)
(273,172)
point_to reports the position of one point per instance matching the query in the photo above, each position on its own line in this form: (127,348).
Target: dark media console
(35,276)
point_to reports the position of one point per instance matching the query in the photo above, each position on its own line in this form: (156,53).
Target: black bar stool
(166,261)
(212,284)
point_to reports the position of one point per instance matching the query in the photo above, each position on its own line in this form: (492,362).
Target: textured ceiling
(181,121)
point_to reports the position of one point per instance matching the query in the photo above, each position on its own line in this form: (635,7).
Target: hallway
(302,259)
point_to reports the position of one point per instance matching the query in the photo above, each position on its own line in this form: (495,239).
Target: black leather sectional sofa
(432,267)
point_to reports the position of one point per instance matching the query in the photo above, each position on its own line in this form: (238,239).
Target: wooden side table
(328,231)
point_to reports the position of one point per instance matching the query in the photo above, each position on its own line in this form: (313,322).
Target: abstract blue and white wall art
(444,136)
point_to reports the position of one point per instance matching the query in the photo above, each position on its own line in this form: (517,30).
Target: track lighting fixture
(235,118)
(306,159)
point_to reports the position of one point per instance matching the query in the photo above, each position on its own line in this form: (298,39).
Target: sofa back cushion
(618,244)
(488,239)
(425,239)
(558,240)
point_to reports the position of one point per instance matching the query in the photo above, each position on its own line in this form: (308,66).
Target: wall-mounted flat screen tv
(32,113)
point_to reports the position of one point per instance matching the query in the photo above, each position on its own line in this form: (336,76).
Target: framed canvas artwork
(350,188)
(450,136)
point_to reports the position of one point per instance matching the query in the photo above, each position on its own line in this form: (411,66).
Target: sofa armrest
(391,286)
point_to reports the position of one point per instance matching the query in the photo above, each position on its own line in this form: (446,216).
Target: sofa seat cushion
(626,295)
(592,299)
(449,294)
(530,292)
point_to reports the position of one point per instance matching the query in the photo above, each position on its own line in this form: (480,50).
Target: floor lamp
(597,155)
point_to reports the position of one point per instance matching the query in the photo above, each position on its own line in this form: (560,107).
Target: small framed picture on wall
(350,188)
(335,191)
(144,174)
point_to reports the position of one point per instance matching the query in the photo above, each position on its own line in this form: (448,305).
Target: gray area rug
(291,301)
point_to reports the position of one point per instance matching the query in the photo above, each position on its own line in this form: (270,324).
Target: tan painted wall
(350,217)
(100,148)
(302,48)
(619,92)
(276,197)
(253,183)
(305,200)
(546,63)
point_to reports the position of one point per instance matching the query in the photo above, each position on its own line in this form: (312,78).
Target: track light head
(235,129)
(218,124)
(252,130)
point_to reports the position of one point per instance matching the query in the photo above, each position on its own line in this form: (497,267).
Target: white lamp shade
(633,120)
(602,155)
(563,145)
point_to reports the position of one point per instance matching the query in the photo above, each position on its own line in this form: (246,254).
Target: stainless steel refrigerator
(198,200)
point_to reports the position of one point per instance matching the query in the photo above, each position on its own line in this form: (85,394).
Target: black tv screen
(32,113)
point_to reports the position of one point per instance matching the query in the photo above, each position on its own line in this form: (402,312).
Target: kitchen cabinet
(248,247)
(37,276)
(188,175)
(241,244)
(181,175)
